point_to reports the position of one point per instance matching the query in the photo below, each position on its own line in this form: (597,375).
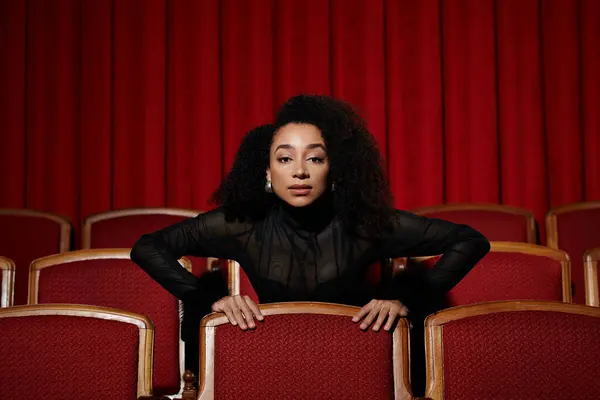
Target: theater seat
(122,228)
(302,351)
(65,351)
(513,350)
(27,235)
(574,229)
(496,222)
(510,271)
(108,278)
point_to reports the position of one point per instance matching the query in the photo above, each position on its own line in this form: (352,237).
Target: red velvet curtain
(111,104)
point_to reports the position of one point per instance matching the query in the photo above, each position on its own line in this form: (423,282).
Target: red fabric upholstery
(123,232)
(303,357)
(578,232)
(58,357)
(522,355)
(495,225)
(121,284)
(510,276)
(23,239)
(506,276)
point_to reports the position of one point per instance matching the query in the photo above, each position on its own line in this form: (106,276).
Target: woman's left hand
(377,311)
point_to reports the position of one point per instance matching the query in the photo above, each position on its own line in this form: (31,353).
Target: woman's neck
(312,218)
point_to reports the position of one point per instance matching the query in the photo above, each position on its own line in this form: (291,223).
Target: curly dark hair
(362,198)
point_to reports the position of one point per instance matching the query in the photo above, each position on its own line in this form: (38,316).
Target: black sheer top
(305,253)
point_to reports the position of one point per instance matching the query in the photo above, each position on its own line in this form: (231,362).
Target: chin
(300,201)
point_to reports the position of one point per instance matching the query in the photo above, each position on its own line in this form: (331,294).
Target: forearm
(456,262)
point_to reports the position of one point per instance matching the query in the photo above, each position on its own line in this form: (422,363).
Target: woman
(305,210)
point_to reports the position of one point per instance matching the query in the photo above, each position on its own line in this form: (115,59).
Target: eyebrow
(310,146)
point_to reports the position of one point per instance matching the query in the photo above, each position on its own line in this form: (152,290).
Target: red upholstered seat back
(300,356)
(57,357)
(522,355)
(506,275)
(510,276)
(494,225)
(124,230)
(578,231)
(119,283)
(23,238)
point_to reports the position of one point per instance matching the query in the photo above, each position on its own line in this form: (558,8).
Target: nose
(300,170)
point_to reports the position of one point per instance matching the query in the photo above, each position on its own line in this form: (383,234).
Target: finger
(245,311)
(230,317)
(254,308)
(217,306)
(381,318)
(362,312)
(237,313)
(391,319)
(403,311)
(370,318)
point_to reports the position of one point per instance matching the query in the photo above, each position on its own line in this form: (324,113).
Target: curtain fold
(109,104)
(13,25)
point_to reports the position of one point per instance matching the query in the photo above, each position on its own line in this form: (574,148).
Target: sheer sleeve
(411,235)
(207,235)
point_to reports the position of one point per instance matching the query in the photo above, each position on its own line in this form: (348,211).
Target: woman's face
(298,164)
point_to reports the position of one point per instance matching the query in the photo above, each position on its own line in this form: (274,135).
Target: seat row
(108,278)
(511,270)
(508,350)
(27,234)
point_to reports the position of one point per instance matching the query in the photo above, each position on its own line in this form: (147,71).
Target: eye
(317,160)
(284,159)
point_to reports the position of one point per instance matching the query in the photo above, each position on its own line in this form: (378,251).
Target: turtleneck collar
(311,218)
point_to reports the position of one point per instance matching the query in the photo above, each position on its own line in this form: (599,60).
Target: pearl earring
(268,187)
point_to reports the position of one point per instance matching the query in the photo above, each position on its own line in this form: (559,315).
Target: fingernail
(363,326)
(375,329)
(354,319)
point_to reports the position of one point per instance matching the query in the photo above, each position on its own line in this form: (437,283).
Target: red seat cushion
(58,357)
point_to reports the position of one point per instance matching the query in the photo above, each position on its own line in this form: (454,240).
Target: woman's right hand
(240,310)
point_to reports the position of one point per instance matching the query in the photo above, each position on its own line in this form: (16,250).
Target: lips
(300,190)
